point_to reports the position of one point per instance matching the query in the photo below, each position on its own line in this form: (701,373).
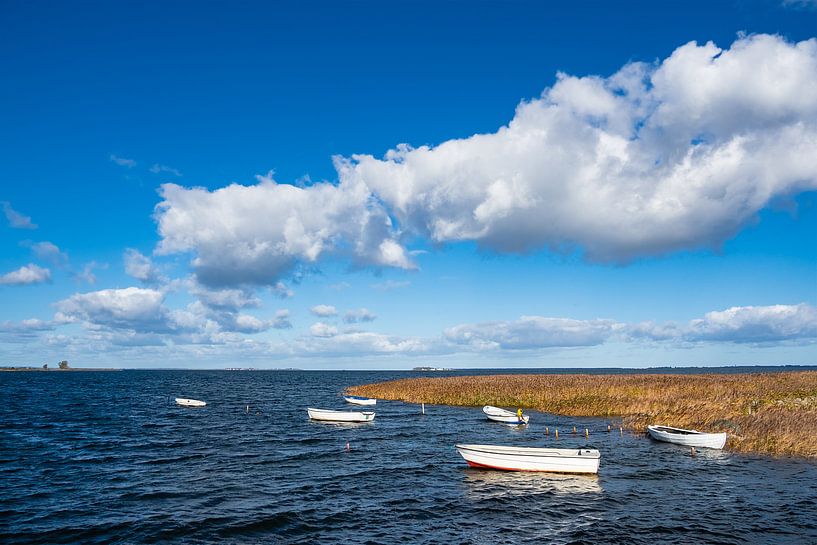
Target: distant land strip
(56,369)
(765,413)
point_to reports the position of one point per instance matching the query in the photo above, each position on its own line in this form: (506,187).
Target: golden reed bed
(768,413)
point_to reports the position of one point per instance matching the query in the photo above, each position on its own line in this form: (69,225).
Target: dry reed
(768,413)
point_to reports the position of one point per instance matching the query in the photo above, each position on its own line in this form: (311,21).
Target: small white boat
(359,400)
(555,460)
(340,416)
(506,417)
(184,402)
(688,438)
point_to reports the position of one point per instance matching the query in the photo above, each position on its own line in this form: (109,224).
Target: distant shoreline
(55,370)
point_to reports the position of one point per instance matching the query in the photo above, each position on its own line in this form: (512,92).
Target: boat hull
(550,460)
(184,402)
(687,438)
(328,415)
(506,417)
(357,400)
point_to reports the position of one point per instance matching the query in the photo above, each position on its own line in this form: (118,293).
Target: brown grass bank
(768,413)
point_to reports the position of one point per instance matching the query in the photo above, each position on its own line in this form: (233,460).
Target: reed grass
(767,413)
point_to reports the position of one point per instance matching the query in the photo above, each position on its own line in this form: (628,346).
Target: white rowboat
(184,402)
(340,416)
(506,417)
(555,460)
(688,438)
(358,400)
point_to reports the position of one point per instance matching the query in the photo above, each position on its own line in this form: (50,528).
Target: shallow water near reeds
(109,458)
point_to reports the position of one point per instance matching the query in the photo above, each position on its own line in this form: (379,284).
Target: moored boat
(329,415)
(555,460)
(360,400)
(506,417)
(688,438)
(184,402)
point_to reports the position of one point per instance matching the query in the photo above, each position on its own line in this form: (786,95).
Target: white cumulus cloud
(359,315)
(773,323)
(324,310)
(127,308)
(320,329)
(655,158)
(674,155)
(27,274)
(141,267)
(532,332)
(255,234)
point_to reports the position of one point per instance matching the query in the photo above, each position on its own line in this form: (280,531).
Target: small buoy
(608,428)
(348,448)
(692,451)
(586,432)
(557,433)
(620,430)
(547,431)
(423,405)
(574,429)
(248,409)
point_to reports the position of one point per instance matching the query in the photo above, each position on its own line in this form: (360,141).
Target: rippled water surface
(109,458)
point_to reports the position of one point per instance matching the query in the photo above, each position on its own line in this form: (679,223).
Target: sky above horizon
(366,185)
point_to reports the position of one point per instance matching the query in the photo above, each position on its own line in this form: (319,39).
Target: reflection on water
(481,484)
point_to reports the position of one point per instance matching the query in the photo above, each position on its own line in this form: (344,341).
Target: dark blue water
(109,458)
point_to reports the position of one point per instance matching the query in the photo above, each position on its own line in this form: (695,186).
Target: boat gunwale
(541,451)
(680,431)
(335,411)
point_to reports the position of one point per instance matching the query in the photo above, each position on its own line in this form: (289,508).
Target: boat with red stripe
(553,460)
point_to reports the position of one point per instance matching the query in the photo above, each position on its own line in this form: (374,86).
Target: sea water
(108,457)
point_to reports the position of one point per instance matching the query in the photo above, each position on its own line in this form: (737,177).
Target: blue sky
(388,185)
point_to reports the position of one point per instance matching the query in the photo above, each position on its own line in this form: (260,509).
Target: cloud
(770,324)
(16,219)
(359,315)
(532,332)
(138,309)
(281,320)
(141,268)
(158,169)
(253,235)
(87,273)
(324,310)
(25,330)
(320,329)
(122,162)
(365,343)
(225,299)
(678,155)
(27,274)
(767,325)
(47,251)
